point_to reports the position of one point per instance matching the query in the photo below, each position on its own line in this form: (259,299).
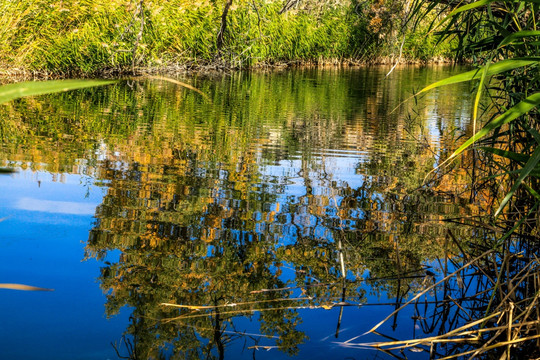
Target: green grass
(91,37)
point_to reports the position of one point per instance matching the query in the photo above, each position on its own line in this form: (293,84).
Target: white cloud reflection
(58,207)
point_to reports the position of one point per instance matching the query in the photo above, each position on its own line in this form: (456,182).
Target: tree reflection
(202,246)
(253,207)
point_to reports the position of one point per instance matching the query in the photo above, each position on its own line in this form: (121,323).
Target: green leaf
(470,6)
(507,154)
(518,35)
(535,134)
(32,88)
(513,113)
(535,173)
(532,192)
(479,94)
(476,5)
(497,68)
(523,218)
(529,166)
(7,171)
(463,8)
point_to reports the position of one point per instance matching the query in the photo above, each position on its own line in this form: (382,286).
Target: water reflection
(286,196)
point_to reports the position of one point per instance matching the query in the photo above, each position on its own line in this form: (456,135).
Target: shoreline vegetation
(48,38)
(495,289)
(494,286)
(210,69)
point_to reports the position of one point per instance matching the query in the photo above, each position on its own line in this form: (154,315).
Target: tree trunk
(223,28)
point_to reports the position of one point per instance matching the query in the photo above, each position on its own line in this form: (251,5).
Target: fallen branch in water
(23,287)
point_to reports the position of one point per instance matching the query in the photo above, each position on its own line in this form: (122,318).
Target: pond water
(276,218)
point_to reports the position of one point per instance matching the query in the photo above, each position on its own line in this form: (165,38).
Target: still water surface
(275,219)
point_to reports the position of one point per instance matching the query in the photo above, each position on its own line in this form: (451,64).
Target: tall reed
(89,37)
(493,308)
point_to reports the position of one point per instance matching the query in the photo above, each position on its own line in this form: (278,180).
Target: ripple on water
(203,203)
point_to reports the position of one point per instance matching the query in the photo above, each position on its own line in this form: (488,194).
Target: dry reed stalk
(514,317)
(428,289)
(415,342)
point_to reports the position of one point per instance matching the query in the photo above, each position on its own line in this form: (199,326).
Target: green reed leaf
(535,134)
(522,220)
(513,113)
(494,69)
(522,158)
(479,94)
(464,8)
(518,35)
(470,6)
(4,171)
(31,88)
(532,191)
(529,166)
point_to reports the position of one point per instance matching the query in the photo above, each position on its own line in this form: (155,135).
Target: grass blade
(464,8)
(7,171)
(479,94)
(32,88)
(497,68)
(513,113)
(522,158)
(518,35)
(529,166)
(470,6)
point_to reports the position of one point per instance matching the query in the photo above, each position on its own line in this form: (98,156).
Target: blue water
(131,196)
(44,246)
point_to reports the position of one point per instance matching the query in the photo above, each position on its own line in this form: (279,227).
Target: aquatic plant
(31,88)
(496,273)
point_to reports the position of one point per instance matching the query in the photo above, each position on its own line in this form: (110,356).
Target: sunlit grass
(69,38)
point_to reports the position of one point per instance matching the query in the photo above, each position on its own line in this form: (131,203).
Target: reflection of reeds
(326,303)
(499,317)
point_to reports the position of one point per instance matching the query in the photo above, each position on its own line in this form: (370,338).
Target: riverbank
(209,69)
(110,38)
